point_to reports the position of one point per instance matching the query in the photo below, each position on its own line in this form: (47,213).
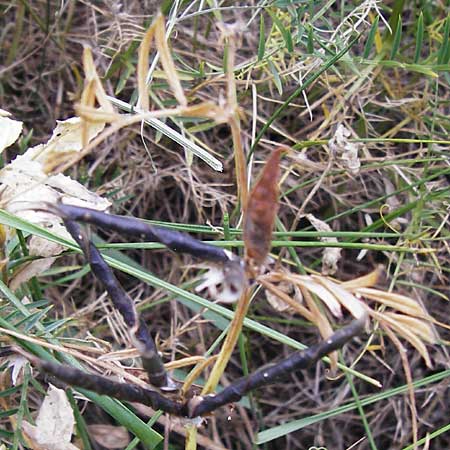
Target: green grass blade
(429,437)
(290,427)
(276,77)
(397,39)
(419,38)
(262,38)
(444,50)
(310,42)
(371,38)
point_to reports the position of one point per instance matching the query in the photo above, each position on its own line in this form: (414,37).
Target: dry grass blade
(93,83)
(167,61)
(158,33)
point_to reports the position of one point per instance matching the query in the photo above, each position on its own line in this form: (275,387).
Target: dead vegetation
(360,98)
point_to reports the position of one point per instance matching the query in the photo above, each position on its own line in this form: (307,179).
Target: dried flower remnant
(345,151)
(331,255)
(261,210)
(10,130)
(25,183)
(225,283)
(54,424)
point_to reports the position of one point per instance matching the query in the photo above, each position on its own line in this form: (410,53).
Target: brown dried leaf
(261,210)
(275,301)
(167,61)
(30,270)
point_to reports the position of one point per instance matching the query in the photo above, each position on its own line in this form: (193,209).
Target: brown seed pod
(261,210)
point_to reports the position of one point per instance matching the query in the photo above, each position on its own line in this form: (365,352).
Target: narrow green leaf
(23,408)
(80,422)
(225,59)
(8,412)
(262,38)
(310,43)
(397,38)
(276,77)
(444,50)
(429,436)
(419,38)
(371,38)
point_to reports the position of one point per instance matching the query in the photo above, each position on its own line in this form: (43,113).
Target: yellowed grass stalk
(229,344)
(158,32)
(234,120)
(189,380)
(142,68)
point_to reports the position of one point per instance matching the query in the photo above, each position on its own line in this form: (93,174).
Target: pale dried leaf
(408,335)
(349,301)
(109,436)
(9,130)
(331,255)
(294,303)
(167,61)
(17,363)
(399,302)
(93,79)
(30,270)
(421,328)
(323,324)
(142,68)
(368,280)
(67,139)
(38,246)
(25,186)
(323,294)
(345,151)
(54,424)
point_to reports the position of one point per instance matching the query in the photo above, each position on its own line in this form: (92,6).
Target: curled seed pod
(261,210)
